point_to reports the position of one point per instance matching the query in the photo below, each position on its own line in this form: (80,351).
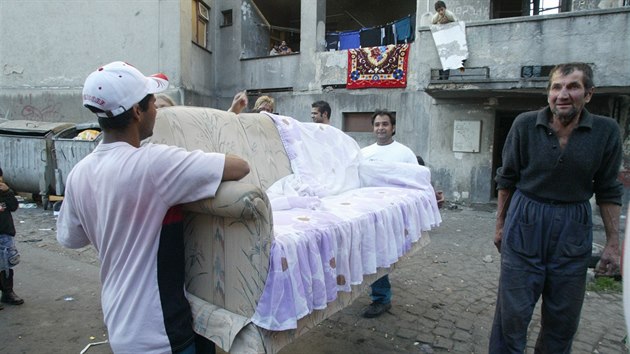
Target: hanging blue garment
(349,40)
(404,30)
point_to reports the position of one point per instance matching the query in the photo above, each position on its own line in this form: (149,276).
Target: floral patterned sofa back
(227,263)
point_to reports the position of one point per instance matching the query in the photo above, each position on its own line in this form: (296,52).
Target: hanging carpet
(382,67)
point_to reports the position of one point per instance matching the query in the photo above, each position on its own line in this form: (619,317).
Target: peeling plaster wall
(256,38)
(425,124)
(463,175)
(579,5)
(552,39)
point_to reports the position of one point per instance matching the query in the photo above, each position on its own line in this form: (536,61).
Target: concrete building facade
(48,48)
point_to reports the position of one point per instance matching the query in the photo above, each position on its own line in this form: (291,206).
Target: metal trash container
(69,150)
(26,155)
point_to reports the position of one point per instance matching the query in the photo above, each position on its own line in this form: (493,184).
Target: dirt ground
(61,290)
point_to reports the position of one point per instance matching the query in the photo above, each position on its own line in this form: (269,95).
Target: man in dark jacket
(554,160)
(9,256)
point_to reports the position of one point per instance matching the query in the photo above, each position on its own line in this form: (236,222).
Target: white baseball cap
(114,88)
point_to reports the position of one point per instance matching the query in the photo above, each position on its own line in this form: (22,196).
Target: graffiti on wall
(469,12)
(44,110)
(596,4)
(4,112)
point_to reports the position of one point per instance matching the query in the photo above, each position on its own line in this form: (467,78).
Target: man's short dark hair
(322,106)
(382,112)
(439,4)
(568,68)
(122,120)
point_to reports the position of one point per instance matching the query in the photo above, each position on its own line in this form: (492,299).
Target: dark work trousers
(545,251)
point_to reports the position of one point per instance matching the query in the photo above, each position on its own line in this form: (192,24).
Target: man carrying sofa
(116,199)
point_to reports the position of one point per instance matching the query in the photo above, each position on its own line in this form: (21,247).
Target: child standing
(9,256)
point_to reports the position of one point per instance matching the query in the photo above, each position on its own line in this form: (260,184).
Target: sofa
(300,237)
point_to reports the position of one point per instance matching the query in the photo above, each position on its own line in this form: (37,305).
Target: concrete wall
(43,69)
(426,119)
(49,47)
(504,46)
(256,33)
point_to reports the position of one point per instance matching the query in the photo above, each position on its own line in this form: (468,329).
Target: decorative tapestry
(382,67)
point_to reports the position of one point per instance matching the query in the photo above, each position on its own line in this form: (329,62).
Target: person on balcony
(442,15)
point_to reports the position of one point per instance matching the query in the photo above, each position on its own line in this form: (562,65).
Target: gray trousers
(544,252)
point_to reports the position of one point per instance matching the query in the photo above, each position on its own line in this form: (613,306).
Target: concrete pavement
(443,299)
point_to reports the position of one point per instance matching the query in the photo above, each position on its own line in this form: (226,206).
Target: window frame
(200,23)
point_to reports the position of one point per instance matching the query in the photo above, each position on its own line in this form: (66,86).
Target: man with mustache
(554,160)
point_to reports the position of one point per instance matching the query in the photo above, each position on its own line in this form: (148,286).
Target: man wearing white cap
(116,199)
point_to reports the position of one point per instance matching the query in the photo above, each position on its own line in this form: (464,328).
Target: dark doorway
(503,123)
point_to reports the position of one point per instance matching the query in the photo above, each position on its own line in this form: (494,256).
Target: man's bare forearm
(610,216)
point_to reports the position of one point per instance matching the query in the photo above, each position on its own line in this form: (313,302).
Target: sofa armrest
(227,243)
(233,200)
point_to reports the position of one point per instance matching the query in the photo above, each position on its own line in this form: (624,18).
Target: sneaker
(376,309)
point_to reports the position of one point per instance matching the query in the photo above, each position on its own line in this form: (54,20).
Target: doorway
(503,123)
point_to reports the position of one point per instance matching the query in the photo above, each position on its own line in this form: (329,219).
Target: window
(227,18)
(535,71)
(544,7)
(515,8)
(200,19)
(358,122)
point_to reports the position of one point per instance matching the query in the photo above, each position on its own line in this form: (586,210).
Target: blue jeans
(9,255)
(544,252)
(382,290)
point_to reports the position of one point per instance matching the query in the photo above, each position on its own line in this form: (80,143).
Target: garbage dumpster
(70,146)
(26,155)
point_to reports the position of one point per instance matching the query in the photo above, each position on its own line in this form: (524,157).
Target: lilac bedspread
(336,219)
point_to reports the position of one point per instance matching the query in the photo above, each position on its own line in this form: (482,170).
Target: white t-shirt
(116,199)
(394,152)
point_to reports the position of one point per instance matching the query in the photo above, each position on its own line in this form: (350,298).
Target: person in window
(275,50)
(284,48)
(442,15)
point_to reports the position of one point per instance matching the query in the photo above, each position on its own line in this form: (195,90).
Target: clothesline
(399,31)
